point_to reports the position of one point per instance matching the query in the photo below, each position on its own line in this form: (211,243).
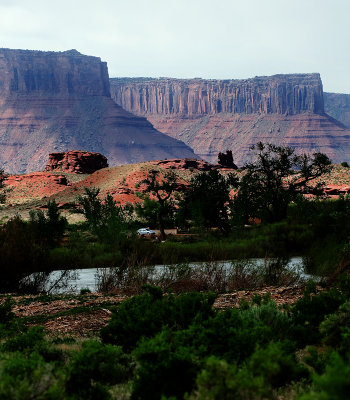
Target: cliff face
(55,102)
(213,116)
(337,105)
(281,94)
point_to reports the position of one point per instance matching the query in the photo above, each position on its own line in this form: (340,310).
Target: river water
(86,278)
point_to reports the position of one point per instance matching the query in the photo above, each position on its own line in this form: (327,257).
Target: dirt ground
(85,315)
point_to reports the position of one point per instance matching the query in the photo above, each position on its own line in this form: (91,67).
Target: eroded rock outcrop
(58,101)
(213,116)
(76,162)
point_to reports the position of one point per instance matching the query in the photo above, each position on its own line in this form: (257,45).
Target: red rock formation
(337,105)
(280,94)
(53,102)
(213,116)
(76,162)
(184,164)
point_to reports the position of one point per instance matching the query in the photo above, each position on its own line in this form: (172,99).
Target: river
(86,278)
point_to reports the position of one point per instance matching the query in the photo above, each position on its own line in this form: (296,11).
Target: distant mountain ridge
(215,115)
(60,101)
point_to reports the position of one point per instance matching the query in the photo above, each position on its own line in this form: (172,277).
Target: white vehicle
(145,231)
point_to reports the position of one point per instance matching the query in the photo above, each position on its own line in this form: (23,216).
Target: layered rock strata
(213,116)
(337,105)
(55,102)
(76,162)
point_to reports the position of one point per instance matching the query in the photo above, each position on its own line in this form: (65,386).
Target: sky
(216,39)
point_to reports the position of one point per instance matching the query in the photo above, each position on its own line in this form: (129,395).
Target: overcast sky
(191,38)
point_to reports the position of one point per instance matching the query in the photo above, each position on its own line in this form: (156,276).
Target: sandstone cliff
(281,94)
(213,116)
(337,105)
(55,102)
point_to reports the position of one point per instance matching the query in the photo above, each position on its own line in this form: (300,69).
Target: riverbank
(84,315)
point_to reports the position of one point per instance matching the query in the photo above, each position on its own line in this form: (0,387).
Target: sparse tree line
(271,189)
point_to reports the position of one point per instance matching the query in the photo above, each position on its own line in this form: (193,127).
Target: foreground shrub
(166,368)
(310,311)
(30,377)
(145,315)
(33,341)
(334,384)
(267,369)
(6,314)
(335,325)
(95,366)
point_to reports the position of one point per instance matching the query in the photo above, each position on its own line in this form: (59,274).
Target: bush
(335,324)
(145,315)
(29,377)
(334,384)
(95,366)
(309,312)
(276,365)
(33,341)
(165,368)
(6,314)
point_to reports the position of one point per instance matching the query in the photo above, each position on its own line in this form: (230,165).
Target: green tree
(2,192)
(207,200)
(104,217)
(50,227)
(159,199)
(276,178)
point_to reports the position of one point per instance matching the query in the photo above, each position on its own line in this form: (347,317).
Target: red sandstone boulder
(76,162)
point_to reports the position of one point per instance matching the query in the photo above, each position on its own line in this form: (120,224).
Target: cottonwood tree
(207,200)
(2,192)
(104,216)
(276,178)
(159,201)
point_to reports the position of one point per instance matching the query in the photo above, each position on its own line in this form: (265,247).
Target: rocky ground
(84,315)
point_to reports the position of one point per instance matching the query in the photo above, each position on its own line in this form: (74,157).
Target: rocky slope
(55,102)
(216,115)
(337,105)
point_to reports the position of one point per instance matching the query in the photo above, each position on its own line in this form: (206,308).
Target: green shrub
(334,383)
(33,341)
(165,368)
(6,314)
(217,381)
(276,365)
(145,315)
(309,312)
(94,367)
(333,326)
(29,377)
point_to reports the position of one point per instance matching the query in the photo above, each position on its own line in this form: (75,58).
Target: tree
(161,207)
(48,228)
(207,200)
(2,179)
(104,217)
(276,178)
